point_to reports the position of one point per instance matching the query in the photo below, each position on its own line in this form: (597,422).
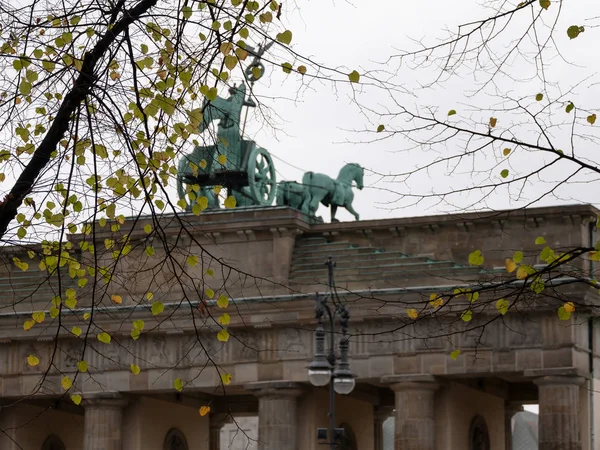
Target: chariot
(236,164)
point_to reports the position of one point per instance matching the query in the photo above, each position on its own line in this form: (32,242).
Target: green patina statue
(236,164)
(294,195)
(323,189)
(247,172)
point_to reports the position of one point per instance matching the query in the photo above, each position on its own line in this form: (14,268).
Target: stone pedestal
(559,422)
(415,420)
(277,421)
(380,415)
(103,421)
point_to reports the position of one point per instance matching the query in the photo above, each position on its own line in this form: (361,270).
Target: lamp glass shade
(319,376)
(343,385)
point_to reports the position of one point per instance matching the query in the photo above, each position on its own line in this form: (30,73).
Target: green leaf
(222,301)
(104,338)
(354,76)
(502,306)
(380,128)
(504,173)
(451,112)
(545,4)
(223,335)
(466,316)
(539,97)
(148,228)
(187,12)
(518,257)
(135,369)
(591,119)
(192,260)
(476,258)
(178,384)
(210,293)
(76,330)
(574,30)
(540,240)
(455,354)
(82,366)
(285,37)
(287,67)
(157,308)
(563,314)
(25,88)
(569,107)
(149,251)
(138,324)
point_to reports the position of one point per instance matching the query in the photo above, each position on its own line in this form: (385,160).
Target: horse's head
(352,172)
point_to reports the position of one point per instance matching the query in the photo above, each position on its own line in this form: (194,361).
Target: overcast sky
(315,119)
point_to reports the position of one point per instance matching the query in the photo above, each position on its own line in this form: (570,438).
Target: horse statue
(229,142)
(295,195)
(338,192)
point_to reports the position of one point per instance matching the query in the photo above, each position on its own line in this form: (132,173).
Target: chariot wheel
(262,182)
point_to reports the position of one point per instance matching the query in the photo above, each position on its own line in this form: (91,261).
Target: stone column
(103,420)
(380,415)
(510,409)
(216,424)
(415,420)
(277,421)
(559,423)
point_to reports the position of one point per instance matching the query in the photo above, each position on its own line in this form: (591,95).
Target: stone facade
(403,367)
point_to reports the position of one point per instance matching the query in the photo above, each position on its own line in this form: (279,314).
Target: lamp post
(328,368)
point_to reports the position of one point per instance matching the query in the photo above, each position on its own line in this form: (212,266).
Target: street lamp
(328,368)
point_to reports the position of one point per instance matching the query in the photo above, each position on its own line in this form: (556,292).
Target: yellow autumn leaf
(86,316)
(28,325)
(210,293)
(569,307)
(135,369)
(222,301)
(116,299)
(104,338)
(76,330)
(178,384)
(76,398)
(38,316)
(82,366)
(66,383)
(210,273)
(226,378)
(412,313)
(230,202)
(204,410)
(33,360)
(224,319)
(223,335)
(522,273)
(222,159)
(510,265)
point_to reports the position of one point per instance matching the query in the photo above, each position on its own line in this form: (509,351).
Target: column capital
(561,380)
(219,419)
(275,389)
(105,400)
(381,413)
(411,382)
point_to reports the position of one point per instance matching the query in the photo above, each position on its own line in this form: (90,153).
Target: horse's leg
(314,203)
(348,204)
(333,211)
